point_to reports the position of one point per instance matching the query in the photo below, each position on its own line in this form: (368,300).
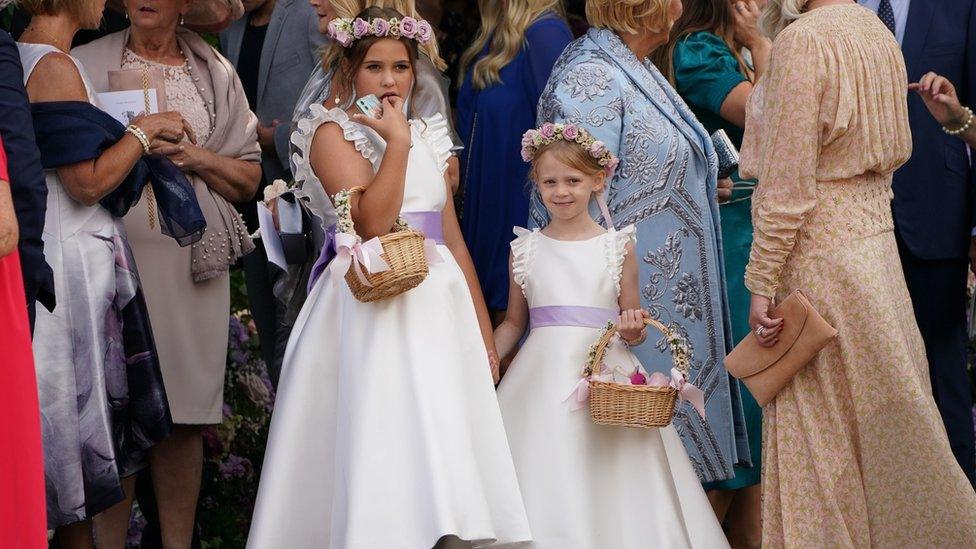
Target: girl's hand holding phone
(390,123)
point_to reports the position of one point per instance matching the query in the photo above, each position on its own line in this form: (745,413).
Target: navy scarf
(75,131)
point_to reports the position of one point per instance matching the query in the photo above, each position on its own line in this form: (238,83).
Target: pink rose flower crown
(549,133)
(346,31)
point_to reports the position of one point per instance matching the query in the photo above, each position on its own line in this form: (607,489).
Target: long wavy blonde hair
(780,13)
(505,28)
(349,8)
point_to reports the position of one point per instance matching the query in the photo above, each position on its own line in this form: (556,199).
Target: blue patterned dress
(666,184)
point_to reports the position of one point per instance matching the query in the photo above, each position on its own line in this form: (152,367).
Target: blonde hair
(349,8)
(570,154)
(780,13)
(505,28)
(87,12)
(629,16)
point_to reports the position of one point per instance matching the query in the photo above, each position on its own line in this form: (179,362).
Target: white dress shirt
(900,7)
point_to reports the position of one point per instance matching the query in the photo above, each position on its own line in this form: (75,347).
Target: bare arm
(747,33)
(9,231)
(339,166)
(508,333)
(455,242)
(89,181)
(235,180)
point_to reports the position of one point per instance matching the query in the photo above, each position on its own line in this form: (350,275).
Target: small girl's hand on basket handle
(631,327)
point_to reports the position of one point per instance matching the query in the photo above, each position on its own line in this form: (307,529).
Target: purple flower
(526,154)
(235,466)
(339,31)
(570,132)
(408,27)
(381,27)
(211,442)
(360,28)
(424,32)
(228,411)
(548,131)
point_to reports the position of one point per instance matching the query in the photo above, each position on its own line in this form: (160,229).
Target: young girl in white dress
(386,432)
(586,486)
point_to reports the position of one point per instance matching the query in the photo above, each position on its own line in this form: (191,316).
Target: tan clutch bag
(766,370)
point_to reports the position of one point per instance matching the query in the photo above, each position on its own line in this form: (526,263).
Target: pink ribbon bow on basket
(687,391)
(349,250)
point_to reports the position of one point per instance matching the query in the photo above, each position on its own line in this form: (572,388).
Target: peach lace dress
(855,452)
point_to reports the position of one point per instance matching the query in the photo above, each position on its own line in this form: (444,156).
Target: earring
(182,21)
(337,100)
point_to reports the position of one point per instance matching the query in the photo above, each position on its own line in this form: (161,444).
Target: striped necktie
(887,15)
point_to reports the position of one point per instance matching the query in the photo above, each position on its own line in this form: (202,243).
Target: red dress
(23,519)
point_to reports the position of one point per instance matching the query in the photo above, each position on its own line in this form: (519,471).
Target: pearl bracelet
(137,132)
(965,126)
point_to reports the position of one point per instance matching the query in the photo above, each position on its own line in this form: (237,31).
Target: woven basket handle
(677,353)
(345,213)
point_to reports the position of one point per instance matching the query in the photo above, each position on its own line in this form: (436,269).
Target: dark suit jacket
(291,49)
(27,182)
(934,190)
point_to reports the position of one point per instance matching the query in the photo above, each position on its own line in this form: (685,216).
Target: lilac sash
(429,223)
(571,315)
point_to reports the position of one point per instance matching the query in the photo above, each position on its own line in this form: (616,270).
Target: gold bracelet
(965,126)
(137,132)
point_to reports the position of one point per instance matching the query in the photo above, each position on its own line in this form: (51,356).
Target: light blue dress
(666,184)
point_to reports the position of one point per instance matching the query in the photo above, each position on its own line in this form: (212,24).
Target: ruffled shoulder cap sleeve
(437,134)
(305,132)
(616,250)
(522,251)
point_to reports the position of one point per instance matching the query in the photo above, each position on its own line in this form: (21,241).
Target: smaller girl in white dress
(586,485)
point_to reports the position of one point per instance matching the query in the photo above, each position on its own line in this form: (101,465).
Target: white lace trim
(302,139)
(615,247)
(523,248)
(437,134)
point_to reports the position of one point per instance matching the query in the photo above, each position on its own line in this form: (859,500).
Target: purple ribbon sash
(429,223)
(571,315)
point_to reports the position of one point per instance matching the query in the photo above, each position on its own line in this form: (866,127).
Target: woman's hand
(166,126)
(940,98)
(746,29)
(767,330)
(724,190)
(631,327)
(187,156)
(391,124)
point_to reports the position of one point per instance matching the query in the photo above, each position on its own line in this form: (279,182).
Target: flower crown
(346,31)
(549,133)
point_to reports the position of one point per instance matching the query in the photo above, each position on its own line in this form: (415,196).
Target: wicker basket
(634,405)
(403,251)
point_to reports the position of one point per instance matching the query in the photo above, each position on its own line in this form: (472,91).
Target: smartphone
(369,105)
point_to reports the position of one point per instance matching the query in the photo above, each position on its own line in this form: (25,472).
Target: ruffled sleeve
(522,250)
(616,250)
(437,134)
(305,132)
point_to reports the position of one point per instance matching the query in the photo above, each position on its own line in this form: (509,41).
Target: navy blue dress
(491,123)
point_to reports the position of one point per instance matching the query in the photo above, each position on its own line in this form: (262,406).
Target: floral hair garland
(346,31)
(549,133)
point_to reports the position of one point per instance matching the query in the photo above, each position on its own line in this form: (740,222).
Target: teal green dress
(705,71)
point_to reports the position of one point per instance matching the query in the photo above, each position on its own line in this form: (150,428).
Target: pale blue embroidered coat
(666,184)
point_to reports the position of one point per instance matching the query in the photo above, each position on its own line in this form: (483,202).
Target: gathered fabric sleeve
(436,132)
(545,40)
(616,251)
(783,151)
(705,71)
